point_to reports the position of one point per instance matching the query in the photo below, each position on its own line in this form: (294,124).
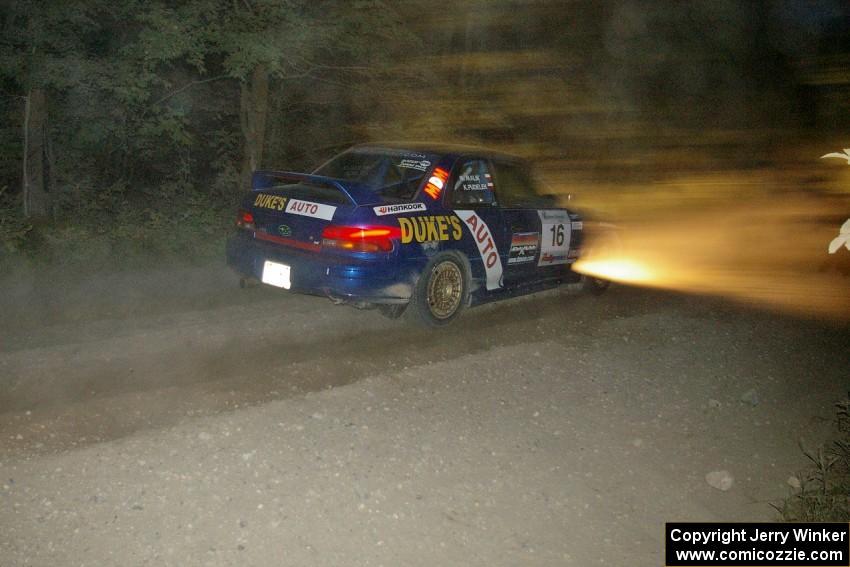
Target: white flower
(843,238)
(845,155)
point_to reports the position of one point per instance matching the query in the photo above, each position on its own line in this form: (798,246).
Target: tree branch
(187,86)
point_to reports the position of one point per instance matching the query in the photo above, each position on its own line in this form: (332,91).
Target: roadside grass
(117,231)
(824,491)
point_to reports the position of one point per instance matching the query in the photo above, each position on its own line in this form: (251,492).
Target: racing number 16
(557,231)
(554,249)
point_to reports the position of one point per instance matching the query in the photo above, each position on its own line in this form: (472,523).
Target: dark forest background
(131,127)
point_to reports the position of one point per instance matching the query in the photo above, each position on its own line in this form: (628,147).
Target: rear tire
(442,291)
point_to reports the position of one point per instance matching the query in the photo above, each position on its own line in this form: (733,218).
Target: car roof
(446,150)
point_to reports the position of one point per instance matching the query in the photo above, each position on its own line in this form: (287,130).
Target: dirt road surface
(173,419)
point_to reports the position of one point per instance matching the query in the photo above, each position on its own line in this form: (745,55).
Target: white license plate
(277,274)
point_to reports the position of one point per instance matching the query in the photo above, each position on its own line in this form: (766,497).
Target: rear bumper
(340,278)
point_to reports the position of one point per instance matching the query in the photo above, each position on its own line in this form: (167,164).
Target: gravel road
(173,419)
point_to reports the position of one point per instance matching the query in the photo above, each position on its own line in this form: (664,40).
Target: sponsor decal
(548,258)
(272,202)
(396,209)
(436,183)
(523,247)
(553,214)
(486,247)
(417,164)
(309,209)
(430,228)
(578,225)
(554,237)
(284,230)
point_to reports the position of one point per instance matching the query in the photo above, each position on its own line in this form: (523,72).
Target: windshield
(392,174)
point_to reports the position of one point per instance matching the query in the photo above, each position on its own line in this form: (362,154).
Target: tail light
(245,220)
(360,238)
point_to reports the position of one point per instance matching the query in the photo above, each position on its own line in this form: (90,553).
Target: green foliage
(122,227)
(824,492)
(144,113)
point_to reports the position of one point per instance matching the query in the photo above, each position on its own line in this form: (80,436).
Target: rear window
(395,175)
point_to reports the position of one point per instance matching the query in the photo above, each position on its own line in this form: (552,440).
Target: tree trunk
(35,135)
(50,173)
(253,114)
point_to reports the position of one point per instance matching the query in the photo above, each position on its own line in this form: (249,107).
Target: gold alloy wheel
(445,287)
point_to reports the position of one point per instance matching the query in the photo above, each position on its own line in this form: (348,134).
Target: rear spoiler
(263,179)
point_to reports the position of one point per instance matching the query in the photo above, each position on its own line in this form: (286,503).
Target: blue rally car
(426,229)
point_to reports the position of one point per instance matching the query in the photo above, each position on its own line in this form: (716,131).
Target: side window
(516,187)
(473,184)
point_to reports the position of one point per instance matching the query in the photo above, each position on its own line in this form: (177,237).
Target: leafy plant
(824,492)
